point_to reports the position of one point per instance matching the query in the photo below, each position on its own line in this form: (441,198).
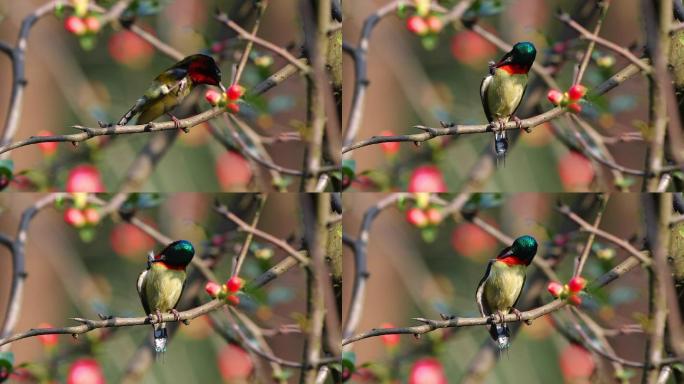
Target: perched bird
(502,284)
(160,286)
(172,86)
(502,90)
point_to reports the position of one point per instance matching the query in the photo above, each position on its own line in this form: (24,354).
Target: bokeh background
(411,85)
(69,277)
(411,277)
(69,85)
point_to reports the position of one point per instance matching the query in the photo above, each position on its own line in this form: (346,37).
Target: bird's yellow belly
(163,289)
(503,286)
(505,93)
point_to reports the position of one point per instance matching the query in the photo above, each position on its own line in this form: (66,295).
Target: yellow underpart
(163,287)
(505,93)
(503,286)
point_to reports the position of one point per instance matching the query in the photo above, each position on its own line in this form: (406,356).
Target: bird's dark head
(524,248)
(519,59)
(177,254)
(202,69)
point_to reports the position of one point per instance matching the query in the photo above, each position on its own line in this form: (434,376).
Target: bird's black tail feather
(500,148)
(501,335)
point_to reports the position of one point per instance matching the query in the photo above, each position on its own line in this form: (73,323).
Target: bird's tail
(501,335)
(131,112)
(160,337)
(500,148)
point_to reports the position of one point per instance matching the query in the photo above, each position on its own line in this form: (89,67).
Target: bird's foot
(495,317)
(518,124)
(502,317)
(444,124)
(159,315)
(177,123)
(518,314)
(176,314)
(502,125)
(444,316)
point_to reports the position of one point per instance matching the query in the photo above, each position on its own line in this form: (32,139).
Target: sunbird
(500,288)
(502,90)
(160,286)
(172,86)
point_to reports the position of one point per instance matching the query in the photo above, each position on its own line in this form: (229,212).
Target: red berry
(471,241)
(427,370)
(576,363)
(85,371)
(235,92)
(92,24)
(427,178)
(417,25)
(74,217)
(434,215)
(575,171)
(49,147)
(234,284)
(213,289)
(576,92)
(129,241)
(416,217)
(577,284)
(233,299)
(390,340)
(233,107)
(555,288)
(233,171)
(434,24)
(234,363)
(471,49)
(92,215)
(48,341)
(84,178)
(575,107)
(75,25)
(213,96)
(575,300)
(555,96)
(390,147)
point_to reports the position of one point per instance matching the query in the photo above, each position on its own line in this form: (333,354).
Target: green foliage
(6,365)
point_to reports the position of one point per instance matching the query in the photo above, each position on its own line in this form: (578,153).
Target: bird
(172,86)
(500,288)
(160,286)
(502,90)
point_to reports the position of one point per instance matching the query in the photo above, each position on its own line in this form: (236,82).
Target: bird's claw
(518,124)
(177,123)
(159,316)
(176,314)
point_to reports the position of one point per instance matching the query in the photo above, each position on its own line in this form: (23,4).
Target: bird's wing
(521,99)
(484,88)
(479,293)
(140,285)
(504,252)
(162,85)
(181,294)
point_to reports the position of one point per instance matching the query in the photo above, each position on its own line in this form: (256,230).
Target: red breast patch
(512,260)
(514,69)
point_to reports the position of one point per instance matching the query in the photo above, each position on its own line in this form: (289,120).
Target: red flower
(213,96)
(555,96)
(427,370)
(416,217)
(434,23)
(234,284)
(555,288)
(213,289)
(129,49)
(575,300)
(434,215)
(75,25)
(74,217)
(577,284)
(235,92)
(417,25)
(576,92)
(92,24)
(233,299)
(92,216)
(233,107)
(575,107)
(84,178)
(427,178)
(85,371)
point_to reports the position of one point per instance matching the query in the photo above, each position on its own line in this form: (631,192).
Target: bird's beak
(504,61)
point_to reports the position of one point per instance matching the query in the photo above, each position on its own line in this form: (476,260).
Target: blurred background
(424,272)
(93,270)
(78,81)
(421,80)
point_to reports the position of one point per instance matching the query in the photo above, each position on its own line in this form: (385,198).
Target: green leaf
(284,374)
(87,42)
(625,374)
(6,173)
(349,168)
(349,361)
(429,234)
(87,234)
(429,42)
